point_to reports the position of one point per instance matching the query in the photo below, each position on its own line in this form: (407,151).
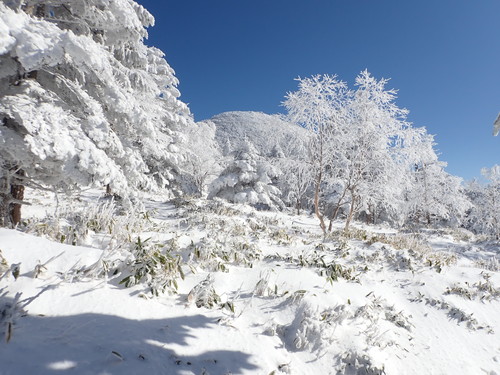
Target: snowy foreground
(279,299)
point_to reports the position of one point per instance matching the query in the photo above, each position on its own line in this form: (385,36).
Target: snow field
(279,298)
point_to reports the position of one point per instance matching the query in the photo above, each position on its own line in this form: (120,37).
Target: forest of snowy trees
(84,102)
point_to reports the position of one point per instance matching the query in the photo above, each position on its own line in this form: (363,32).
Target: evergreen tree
(247,179)
(83,101)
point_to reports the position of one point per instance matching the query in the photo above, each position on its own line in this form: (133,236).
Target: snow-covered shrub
(490,264)
(282,237)
(279,145)
(308,330)
(263,288)
(316,327)
(439,259)
(204,294)
(208,255)
(153,265)
(214,254)
(326,264)
(484,290)
(353,363)
(116,226)
(247,179)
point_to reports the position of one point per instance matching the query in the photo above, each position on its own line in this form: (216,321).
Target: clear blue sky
(442,55)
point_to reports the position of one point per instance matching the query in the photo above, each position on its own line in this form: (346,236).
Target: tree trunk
(108,190)
(17,195)
(351,212)
(337,209)
(4,211)
(316,204)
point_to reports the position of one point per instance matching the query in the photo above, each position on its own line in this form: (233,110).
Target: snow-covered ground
(274,296)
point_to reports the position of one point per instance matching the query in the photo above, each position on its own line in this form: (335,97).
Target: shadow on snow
(105,344)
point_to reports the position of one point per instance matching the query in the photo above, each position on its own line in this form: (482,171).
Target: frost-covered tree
(204,159)
(432,195)
(355,138)
(373,139)
(436,196)
(484,216)
(295,180)
(318,107)
(247,179)
(82,100)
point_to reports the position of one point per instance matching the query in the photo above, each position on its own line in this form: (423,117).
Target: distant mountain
(262,130)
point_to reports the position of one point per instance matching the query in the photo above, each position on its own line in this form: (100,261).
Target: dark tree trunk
(17,195)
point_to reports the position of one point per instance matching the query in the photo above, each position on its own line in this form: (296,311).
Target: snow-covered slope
(264,131)
(263,293)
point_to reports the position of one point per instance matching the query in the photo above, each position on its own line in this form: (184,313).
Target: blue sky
(442,55)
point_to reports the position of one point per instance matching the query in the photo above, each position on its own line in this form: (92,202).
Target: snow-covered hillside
(263,293)
(262,130)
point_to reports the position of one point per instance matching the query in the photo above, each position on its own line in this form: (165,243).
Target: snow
(262,130)
(428,307)
(496,125)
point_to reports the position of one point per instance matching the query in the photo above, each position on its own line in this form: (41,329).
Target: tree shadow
(104,344)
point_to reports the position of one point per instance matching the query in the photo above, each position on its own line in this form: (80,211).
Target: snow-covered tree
(436,195)
(82,100)
(295,180)
(432,195)
(355,138)
(484,217)
(247,179)
(318,106)
(204,159)
(277,142)
(375,129)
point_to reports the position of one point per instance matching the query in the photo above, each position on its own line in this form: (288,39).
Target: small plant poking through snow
(4,266)
(356,364)
(454,313)
(324,261)
(484,290)
(151,265)
(73,226)
(204,294)
(490,264)
(215,254)
(10,311)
